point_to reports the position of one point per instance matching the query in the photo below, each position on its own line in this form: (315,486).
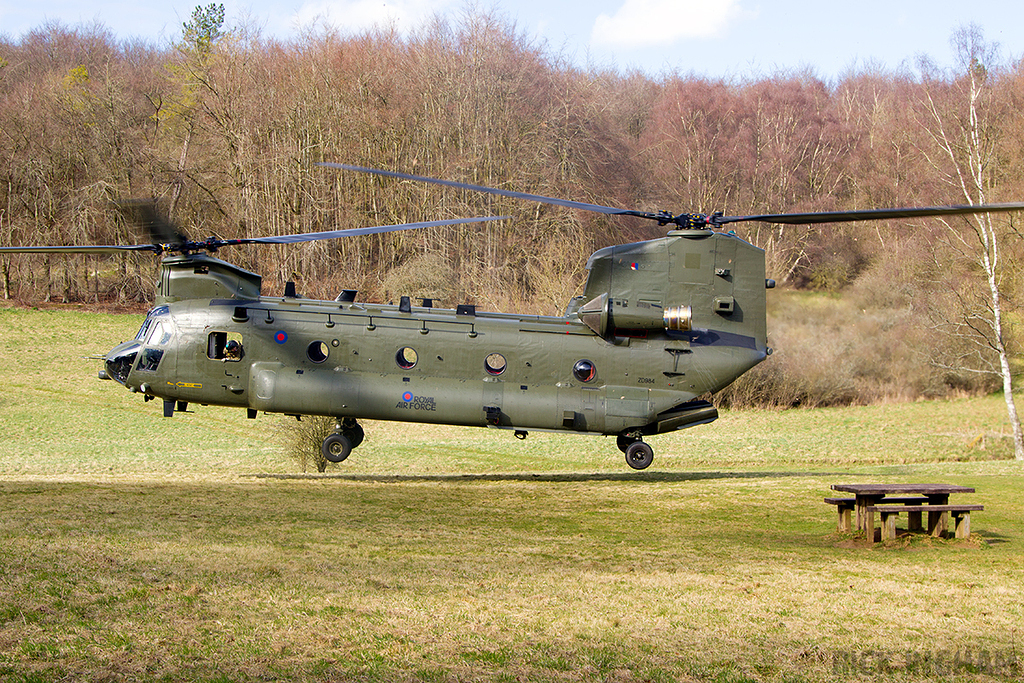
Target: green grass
(134,547)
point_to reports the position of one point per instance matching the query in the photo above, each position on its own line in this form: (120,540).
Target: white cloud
(653,23)
(359,15)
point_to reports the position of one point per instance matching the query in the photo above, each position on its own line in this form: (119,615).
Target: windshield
(148,322)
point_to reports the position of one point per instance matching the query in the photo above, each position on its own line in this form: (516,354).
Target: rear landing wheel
(624,441)
(639,455)
(353,431)
(336,447)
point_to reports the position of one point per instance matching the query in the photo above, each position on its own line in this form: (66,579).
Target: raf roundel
(281,337)
(407,396)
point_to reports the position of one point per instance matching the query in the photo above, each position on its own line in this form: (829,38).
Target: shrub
(307,435)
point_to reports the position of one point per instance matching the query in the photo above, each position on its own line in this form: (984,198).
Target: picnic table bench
(936,518)
(889,500)
(845,508)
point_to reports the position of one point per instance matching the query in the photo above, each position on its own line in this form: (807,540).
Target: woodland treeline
(225,128)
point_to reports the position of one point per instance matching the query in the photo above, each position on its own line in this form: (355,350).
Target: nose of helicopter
(120,360)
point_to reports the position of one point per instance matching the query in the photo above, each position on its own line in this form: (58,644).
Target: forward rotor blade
(214,244)
(871,214)
(350,232)
(489,190)
(95,249)
(144,213)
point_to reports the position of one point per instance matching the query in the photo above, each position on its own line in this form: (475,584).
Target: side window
(225,346)
(317,352)
(495,364)
(407,358)
(584,370)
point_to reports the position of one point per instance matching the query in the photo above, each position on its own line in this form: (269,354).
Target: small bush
(307,435)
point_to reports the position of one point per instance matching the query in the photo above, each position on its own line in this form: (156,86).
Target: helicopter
(661,325)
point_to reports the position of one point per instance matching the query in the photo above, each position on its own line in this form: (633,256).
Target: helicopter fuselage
(424,365)
(629,357)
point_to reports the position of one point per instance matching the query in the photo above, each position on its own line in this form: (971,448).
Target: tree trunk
(1004,366)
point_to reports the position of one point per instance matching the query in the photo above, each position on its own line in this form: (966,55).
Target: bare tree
(304,438)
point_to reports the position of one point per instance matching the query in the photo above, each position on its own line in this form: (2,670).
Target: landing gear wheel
(351,429)
(639,455)
(354,434)
(624,441)
(336,447)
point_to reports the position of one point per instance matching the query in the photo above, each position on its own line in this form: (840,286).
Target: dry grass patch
(473,580)
(150,553)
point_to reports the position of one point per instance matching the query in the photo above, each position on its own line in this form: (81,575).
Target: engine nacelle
(605,315)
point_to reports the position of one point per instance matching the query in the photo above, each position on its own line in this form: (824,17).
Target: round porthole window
(584,370)
(495,364)
(317,352)
(407,358)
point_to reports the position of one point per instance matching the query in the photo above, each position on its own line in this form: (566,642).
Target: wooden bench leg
(889,525)
(962,524)
(937,523)
(869,525)
(843,523)
(914,521)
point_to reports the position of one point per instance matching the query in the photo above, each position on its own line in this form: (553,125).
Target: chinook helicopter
(660,324)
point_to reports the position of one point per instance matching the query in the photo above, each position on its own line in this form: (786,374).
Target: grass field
(138,548)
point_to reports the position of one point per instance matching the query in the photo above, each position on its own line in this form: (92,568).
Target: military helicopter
(660,324)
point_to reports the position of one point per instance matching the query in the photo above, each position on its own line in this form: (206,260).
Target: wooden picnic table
(883,498)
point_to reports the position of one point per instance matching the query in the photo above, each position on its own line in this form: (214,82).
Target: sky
(732,39)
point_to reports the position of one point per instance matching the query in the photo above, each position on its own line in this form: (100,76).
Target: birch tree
(963,126)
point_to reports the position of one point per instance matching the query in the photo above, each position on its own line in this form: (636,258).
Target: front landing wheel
(336,447)
(639,455)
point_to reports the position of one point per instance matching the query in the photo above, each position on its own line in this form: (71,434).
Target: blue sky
(718,38)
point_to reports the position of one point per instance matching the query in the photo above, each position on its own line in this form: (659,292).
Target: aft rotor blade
(702,221)
(94,249)
(871,214)
(489,190)
(350,232)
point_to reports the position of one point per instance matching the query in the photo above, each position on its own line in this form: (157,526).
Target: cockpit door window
(150,359)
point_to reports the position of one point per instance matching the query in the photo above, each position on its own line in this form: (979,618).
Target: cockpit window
(121,359)
(150,359)
(156,331)
(144,329)
(160,334)
(148,322)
